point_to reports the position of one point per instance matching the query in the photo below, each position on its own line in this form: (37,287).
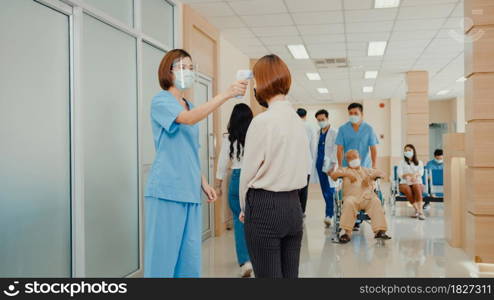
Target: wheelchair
(433,188)
(338,207)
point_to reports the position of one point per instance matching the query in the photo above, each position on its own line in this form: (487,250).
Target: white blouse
(276,152)
(404,168)
(224,158)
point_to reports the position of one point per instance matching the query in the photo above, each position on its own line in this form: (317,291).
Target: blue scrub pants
(173,237)
(238,227)
(327,191)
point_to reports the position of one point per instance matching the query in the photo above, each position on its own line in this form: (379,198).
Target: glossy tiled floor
(417,249)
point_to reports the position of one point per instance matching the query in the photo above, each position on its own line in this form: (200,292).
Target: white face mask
(408,154)
(354,119)
(355,163)
(323,124)
(184,79)
(439,161)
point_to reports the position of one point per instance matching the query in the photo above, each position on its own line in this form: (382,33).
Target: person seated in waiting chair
(434,164)
(358,194)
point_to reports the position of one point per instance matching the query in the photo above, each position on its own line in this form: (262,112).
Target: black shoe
(381,234)
(344,239)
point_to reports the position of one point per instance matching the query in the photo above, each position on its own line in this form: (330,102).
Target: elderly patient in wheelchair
(359,194)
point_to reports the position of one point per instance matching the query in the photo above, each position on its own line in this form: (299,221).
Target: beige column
(395,128)
(417,112)
(455,211)
(479,137)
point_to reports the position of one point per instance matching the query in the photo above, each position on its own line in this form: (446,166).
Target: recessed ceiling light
(323,90)
(386,3)
(368,89)
(461,79)
(377,48)
(313,76)
(298,51)
(370,74)
(443,92)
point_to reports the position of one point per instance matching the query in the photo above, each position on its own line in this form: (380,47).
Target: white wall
(231,60)
(379,118)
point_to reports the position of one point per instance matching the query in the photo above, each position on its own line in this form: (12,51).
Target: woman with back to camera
(410,171)
(232,151)
(276,165)
(173,194)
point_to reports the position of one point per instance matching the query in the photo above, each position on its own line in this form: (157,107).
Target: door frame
(208,82)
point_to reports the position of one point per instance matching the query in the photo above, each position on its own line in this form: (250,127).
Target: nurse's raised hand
(238,88)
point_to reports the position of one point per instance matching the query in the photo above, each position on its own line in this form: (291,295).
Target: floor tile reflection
(417,248)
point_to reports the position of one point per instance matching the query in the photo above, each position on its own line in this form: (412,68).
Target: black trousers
(302,194)
(273,232)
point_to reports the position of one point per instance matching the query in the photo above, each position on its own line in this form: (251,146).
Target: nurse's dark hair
(165,74)
(356,105)
(272,77)
(322,112)
(438,152)
(414,157)
(237,128)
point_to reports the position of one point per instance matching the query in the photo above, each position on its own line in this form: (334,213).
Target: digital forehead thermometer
(244,75)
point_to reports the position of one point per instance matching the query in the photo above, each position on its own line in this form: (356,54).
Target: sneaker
(416,215)
(421,216)
(246,270)
(381,234)
(327,222)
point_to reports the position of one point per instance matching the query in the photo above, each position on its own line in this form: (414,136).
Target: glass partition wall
(77,77)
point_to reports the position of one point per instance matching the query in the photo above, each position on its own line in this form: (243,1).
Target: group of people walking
(272,156)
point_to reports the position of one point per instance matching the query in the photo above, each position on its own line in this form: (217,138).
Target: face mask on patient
(355,163)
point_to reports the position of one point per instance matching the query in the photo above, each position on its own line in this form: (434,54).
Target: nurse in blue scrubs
(356,134)
(173,192)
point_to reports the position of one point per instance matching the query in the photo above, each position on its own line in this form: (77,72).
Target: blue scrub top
(359,140)
(176,171)
(434,165)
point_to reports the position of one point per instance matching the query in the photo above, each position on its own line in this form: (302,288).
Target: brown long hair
(414,157)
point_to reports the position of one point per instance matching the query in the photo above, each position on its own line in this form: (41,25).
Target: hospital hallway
(417,248)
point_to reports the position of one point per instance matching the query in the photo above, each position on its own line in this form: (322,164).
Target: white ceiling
(421,35)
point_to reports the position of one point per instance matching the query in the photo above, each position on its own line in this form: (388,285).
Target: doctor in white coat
(326,161)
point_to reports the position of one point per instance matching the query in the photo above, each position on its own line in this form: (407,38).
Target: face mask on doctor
(323,124)
(408,154)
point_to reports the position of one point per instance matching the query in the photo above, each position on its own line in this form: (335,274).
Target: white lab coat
(311,136)
(330,150)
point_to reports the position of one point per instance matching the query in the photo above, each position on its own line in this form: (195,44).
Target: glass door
(202,93)
(35,172)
